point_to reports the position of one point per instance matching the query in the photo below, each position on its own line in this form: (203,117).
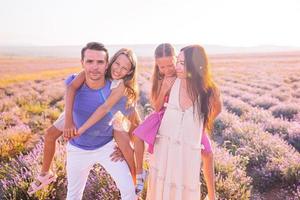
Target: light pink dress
(175,164)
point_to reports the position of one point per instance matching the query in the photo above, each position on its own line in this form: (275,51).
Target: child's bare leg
(139,154)
(45,178)
(123,142)
(208,171)
(52,134)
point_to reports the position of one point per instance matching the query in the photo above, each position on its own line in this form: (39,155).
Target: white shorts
(60,122)
(121,126)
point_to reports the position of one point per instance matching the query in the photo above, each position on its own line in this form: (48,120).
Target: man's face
(94,64)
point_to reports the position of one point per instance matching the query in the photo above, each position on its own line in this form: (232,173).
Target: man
(96,144)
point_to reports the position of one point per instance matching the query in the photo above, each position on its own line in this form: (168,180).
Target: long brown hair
(130,80)
(162,50)
(200,86)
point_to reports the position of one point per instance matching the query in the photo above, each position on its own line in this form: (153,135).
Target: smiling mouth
(116,75)
(95,74)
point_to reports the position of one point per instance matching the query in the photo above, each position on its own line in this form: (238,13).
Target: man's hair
(94,46)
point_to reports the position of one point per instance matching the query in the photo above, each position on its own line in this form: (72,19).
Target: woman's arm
(69,128)
(114,97)
(207,153)
(217,104)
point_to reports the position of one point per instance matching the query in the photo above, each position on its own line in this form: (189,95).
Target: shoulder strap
(115,83)
(174,94)
(107,86)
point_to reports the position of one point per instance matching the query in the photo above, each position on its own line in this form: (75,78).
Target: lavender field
(256,138)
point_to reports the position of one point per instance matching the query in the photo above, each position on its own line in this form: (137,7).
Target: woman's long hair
(200,86)
(162,50)
(130,80)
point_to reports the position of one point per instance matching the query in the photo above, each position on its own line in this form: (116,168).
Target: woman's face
(120,67)
(166,66)
(180,66)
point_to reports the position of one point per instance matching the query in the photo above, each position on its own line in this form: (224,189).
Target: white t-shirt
(115,83)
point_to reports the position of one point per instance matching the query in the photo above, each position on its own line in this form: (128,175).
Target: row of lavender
(27,109)
(255,149)
(274,106)
(261,123)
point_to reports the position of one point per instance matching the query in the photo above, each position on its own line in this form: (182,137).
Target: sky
(215,22)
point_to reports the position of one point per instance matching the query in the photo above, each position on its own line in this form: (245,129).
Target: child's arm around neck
(116,94)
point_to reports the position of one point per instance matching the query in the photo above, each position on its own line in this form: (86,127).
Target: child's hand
(69,131)
(80,131)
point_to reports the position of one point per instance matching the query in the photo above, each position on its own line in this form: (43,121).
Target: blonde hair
(162,50)
(130,80)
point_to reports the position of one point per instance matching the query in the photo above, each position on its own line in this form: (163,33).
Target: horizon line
(140,44)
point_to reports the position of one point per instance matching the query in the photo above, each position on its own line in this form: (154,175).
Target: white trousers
(80,162)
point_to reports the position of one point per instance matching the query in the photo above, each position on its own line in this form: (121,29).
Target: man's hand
(117,155)
(70,131)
